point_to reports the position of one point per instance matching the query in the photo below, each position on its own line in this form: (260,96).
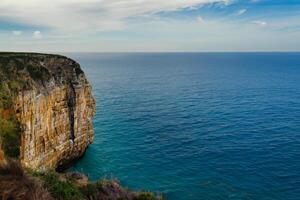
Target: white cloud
(89,14)
(200,19)
(17,33)
(74,26)
(260,23)
(242,11)
(165,35)
(37,35)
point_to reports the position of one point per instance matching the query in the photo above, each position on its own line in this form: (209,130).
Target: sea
(196,126)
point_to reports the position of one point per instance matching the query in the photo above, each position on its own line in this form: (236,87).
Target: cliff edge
(48,100)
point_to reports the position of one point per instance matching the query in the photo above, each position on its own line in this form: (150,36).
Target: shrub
(10,135)
(147,196)
(9,126)
(89,190)
(16,184)
(5,98)
(61,190)
(38,72)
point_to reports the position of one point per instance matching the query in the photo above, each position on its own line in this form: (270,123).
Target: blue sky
(149,25)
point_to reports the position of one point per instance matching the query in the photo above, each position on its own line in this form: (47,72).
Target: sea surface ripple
(193,126)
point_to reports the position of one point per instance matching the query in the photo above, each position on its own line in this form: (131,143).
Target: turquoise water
(195,126)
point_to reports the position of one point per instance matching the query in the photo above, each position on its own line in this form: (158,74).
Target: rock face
(1,152)
(55,110)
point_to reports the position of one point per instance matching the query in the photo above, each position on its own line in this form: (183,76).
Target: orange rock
(55,113)
(7,113)
(1,156)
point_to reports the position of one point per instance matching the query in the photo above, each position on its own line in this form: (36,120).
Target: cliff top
(28,69)
(5,57)
(26,54)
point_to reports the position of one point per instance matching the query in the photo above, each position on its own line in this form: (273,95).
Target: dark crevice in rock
(48,91)
(71,106)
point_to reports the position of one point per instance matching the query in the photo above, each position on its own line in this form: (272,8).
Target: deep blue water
(195,126)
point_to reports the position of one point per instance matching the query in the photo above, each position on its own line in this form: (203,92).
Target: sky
(149,25)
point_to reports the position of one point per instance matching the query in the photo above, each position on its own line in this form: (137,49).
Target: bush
(9,126)
(146,196)
(61,190)
(5,98)
(38,72)
(16,184)
(10,135)
(89,190)
(16,85)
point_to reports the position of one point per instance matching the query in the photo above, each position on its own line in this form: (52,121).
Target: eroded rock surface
(54,107)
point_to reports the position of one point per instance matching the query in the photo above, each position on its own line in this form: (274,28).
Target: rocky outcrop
(54,107)
(46,111)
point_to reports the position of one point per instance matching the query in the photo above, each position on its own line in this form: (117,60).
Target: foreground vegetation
(16,74)
(9,127)
(17,183)
(69,189)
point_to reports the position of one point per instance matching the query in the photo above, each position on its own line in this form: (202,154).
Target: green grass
(38,72)
(9,127)
(146,196)
(27,55)
(5,98)
(67,189)
(10,135)
(17,72)
(12,81)
(61,190)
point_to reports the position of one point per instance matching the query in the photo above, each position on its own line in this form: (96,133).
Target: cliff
(50,100)
(46,111)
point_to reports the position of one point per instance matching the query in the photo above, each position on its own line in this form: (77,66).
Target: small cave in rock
(71,106)
(43,144)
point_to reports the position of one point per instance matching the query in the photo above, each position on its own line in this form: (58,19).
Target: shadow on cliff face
(16,185)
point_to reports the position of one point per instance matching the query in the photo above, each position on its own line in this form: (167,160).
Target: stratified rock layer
(55,110)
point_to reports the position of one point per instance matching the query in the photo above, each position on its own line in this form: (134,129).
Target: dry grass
(16,185)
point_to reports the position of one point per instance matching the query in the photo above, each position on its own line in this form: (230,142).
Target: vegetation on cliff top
(19,72)
(69,189)
(19,184)
(9,127)
(15,69)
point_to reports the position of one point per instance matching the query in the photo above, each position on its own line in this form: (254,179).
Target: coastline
(38,89)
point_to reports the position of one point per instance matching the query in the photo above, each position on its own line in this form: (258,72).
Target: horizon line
(154,52)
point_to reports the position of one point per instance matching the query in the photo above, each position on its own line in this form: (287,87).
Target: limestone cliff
(53,105)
